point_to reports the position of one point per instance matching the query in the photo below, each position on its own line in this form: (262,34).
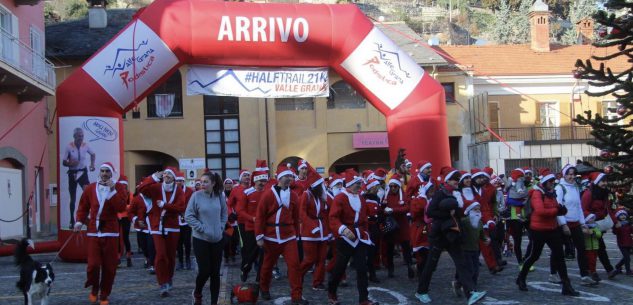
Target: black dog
(35,279)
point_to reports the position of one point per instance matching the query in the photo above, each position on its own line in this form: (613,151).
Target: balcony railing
(21,57)
(537,134)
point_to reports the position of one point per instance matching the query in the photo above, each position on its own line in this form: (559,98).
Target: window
(493,115)
(290,104)
(222,135)
(549,121)
(166,100)
(37,45)
(610,112)
(449,91)
(343,96)
(9,32)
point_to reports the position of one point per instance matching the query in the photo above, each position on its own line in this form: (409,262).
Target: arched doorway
(12,195)
(362,160)
(147,162)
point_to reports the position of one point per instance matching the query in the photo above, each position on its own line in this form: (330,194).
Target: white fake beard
(381,193)
(168,187)
(336,191)
(475,218)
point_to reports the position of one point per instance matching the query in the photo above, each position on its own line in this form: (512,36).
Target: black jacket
(443,226)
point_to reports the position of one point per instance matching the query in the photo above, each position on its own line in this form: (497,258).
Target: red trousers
(289,249)
(592,255)
(102,262)
(489,256)
(165,261)
(314,254)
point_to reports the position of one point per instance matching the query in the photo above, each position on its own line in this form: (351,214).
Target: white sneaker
(424,298)
(587,281)
(554,278)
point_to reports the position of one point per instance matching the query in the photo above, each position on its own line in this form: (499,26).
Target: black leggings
(251,253)
(344,252)
(578,240)
(184,242)
(406,251)
(603,256)
(459,260)
(554,240)
(125,230)
(209,259)
(516,229)
(141,242)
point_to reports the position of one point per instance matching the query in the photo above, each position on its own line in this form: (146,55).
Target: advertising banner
(85,142)
(258,82)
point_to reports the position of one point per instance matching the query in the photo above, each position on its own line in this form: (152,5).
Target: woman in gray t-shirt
(207,214)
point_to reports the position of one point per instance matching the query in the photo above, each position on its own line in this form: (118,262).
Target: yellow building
(527,95)
(229,133)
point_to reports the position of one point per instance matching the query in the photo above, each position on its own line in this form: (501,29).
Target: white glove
(77,226)
(160,203)
(388,210)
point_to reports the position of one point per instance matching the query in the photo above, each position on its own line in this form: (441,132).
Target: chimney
(585,30)
(97,16)
(539,27)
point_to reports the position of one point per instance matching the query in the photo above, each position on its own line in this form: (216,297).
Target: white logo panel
(131,63)
(380,65)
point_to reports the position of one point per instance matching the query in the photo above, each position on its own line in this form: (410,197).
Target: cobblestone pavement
(134,286)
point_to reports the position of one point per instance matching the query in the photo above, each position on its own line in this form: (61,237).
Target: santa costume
(98,208)
(277,226)
(246,209)
(168,202)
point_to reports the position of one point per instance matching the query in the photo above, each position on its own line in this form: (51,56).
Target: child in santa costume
(142,231)
(472,235)
(184,241)
(246,208)
(485,195)
(348,221)
(397,207)
(276,229)
(624,233)
(98,208)
(168,202)
(124,222)
(314,231)
(420,225)
(374,212)
(592,242)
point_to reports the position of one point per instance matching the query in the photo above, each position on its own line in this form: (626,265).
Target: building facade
(26,81)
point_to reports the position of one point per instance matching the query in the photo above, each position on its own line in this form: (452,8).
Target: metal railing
(21,57)
(536,134)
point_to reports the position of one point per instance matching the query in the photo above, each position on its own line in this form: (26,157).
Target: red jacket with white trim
(313,225)
(419,228)
(165,219)
(103,213)
(343,215)
(247,209)
(274,221)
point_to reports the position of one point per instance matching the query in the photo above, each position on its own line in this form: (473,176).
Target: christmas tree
(613,136)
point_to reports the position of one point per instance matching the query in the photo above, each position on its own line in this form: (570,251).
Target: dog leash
(63,246)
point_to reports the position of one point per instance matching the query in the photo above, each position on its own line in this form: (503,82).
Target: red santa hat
(171,170)
(527,170)
(228,181)
(285,170)
(488,170)
(371,183)
(180,176)
(596,177)
(123,180)
(546,175)
(448,173)
(478,172)
(380,174)
(470,207)
(367,174)
(302,164)
(260,172)
(395,179)
(566,168)
(261,165)
(243,172)
(351,177)
(335,179)
(464,175)
(517,173)
(313,178)
(422,165)
(621,212)
(108,165)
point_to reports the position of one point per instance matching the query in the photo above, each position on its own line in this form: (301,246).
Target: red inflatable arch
(170,33)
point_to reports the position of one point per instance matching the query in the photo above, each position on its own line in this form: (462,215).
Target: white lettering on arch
(306,29)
